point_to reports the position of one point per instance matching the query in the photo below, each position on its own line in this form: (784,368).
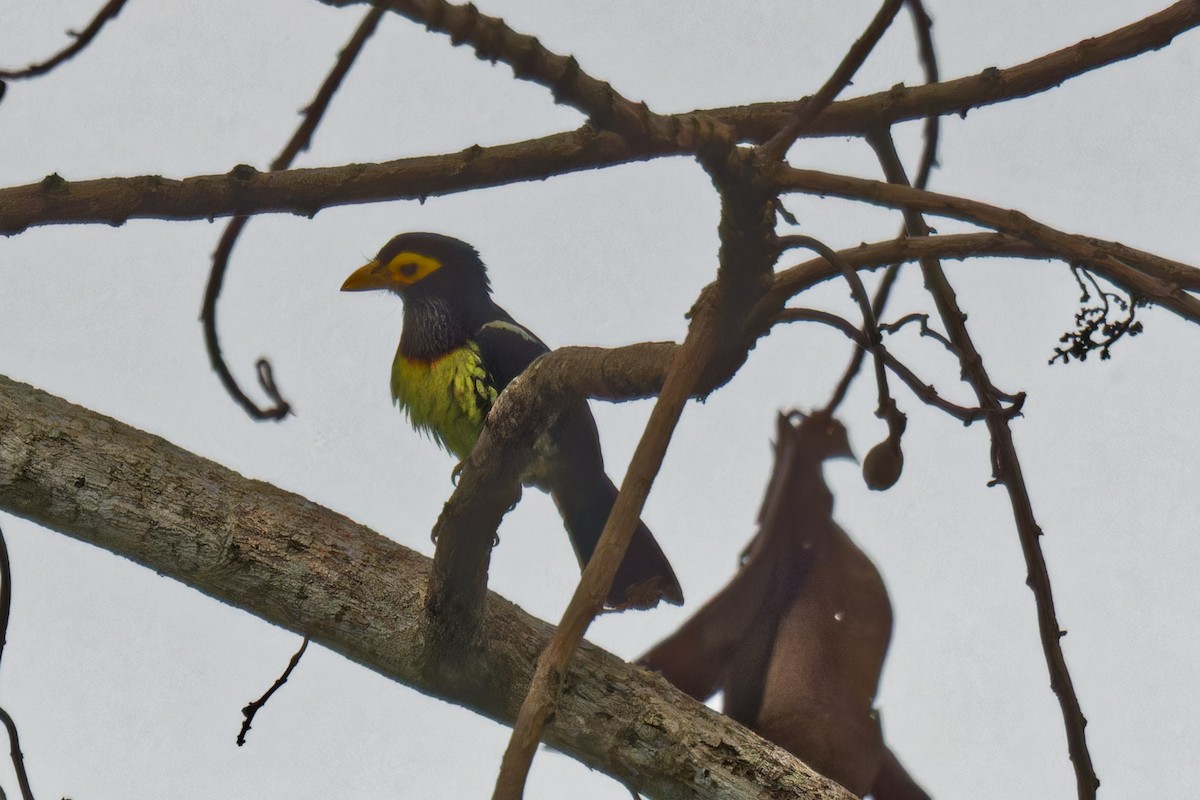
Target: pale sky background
(129,685)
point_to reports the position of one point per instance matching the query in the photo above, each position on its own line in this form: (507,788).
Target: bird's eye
(408,270)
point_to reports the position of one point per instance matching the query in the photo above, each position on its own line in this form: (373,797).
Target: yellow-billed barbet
(458,350)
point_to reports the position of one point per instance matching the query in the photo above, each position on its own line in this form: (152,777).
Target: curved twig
(923,26)
(5,592)
(82,40)
(887,406)
(18,760)
(299,141)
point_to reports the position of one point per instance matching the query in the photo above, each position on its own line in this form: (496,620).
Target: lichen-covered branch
(308,569)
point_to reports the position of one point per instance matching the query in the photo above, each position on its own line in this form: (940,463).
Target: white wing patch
(512,327)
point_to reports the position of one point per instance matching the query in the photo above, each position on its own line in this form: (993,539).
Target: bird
(458,351)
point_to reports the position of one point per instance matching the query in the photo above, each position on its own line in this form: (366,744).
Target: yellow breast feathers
(446,398)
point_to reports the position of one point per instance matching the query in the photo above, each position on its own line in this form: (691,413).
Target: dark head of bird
(418,265)
(444,285)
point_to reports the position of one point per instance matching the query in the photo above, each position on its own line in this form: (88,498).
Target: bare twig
(252,708)
(1006,471)
(924,391)
(280,408)
(5,592)
(810,107)
(922,321)
(18,760)
(923,27)
(857,116)
(878,303)
(82,40)
(793,280)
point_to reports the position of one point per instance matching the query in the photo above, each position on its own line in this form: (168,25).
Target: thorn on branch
(783,213)
(54,184)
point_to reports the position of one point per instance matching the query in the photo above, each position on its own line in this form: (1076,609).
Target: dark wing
(507,348)
(572,470)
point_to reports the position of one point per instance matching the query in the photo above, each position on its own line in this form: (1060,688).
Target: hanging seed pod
(884,463)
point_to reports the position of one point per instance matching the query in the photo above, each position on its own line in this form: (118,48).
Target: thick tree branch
(305,568)
(244,190)
(489,478)
(1156,279)
(857,116)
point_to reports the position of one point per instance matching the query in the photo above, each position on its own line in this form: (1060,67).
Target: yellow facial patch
(404,269)
(409,267)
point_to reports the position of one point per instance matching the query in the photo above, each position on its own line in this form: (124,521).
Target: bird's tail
(645,576)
